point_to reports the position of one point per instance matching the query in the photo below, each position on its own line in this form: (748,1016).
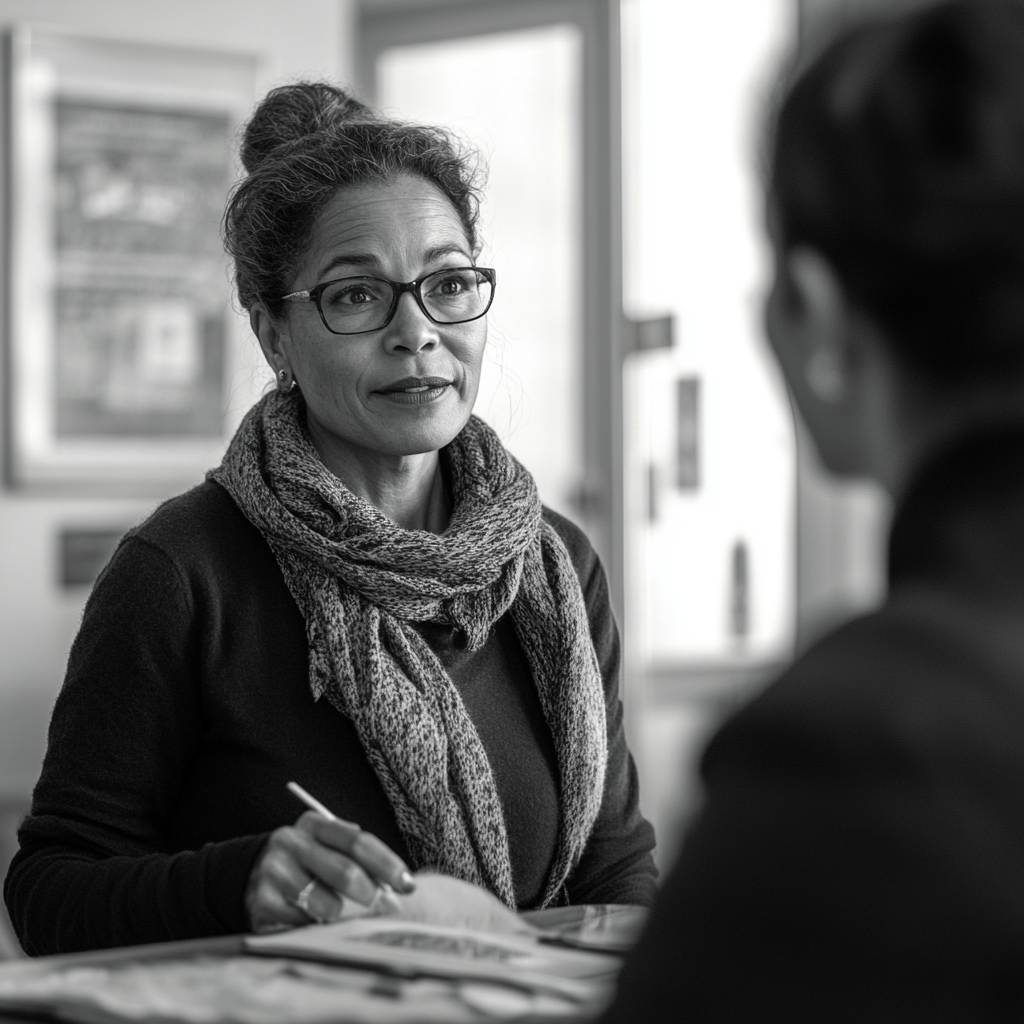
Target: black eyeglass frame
(399,288)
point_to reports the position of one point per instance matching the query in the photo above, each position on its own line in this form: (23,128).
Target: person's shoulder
(584,558)
(876,694)
(189,516)
(201,525)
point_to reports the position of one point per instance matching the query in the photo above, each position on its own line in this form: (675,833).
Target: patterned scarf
(360,580)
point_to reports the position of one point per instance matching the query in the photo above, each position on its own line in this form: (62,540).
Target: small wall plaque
(84,552)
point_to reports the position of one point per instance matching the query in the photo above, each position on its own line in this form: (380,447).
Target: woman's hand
(308,870)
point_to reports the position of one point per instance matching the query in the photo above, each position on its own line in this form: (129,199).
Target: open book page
(442,900)
(410,948)
(449,928)
(449,902)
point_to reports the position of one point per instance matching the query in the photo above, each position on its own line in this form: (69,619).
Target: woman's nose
(410,329)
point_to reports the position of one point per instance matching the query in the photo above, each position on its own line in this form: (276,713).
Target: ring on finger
(302,900)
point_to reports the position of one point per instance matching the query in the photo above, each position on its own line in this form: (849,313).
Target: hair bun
(292,112)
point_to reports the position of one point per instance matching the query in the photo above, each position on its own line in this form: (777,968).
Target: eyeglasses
(358,305)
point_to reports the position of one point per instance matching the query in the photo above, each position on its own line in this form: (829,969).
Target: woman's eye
(351,295)
(450,286)
(355,296)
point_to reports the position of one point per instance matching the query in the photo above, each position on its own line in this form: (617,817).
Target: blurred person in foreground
(367,597)
(860,852)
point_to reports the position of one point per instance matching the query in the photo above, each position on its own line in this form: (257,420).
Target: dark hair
(899,154)
(303,143)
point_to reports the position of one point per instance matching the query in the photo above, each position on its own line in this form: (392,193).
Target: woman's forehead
(404,218)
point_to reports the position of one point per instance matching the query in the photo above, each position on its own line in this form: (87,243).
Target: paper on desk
(607,927)
(413,949)
(254,990)
(452,903)
(452,929)
(455,954)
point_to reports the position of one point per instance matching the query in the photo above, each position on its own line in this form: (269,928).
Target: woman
(366,597)
(860,853)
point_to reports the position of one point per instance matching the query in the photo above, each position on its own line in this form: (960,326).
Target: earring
(824,377)
(283,381)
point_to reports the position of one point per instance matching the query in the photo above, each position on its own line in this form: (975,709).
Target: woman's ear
(274,341)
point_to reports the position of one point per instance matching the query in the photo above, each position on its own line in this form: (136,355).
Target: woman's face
(410,386)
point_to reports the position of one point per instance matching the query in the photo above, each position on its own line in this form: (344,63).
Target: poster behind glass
(140,324)
(122,336)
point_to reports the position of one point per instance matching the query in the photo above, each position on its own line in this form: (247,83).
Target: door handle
(650,333)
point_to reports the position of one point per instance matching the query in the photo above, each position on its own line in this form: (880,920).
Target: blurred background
(626,368)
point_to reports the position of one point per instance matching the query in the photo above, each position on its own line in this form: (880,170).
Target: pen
(313,804)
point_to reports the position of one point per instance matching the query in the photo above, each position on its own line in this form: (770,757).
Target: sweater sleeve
(618,864)
(94,869)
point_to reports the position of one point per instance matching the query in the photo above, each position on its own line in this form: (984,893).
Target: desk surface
(335,993)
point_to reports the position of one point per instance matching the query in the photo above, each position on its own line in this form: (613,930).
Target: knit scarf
(360,581)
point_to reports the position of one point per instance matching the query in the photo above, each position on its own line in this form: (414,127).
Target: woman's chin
(424,434)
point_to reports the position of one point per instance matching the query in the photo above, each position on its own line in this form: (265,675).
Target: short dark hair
(899,154)
(303,143)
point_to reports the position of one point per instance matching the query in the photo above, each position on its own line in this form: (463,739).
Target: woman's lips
(415,390)
(415,384)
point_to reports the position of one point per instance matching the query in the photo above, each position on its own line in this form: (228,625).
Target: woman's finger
(276,909)
(268,906)
(307,871)
(294,856)
(283,894)
(318,903)
(335,870)
(282,868)
(375,857)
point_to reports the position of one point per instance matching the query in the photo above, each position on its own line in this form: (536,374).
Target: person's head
(335,193)
(896,205)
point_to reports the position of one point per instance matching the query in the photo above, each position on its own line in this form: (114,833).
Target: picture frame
(122,345)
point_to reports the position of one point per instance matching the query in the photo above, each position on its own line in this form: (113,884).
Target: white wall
(37,618)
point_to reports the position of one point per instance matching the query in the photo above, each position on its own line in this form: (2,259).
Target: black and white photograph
(511,510)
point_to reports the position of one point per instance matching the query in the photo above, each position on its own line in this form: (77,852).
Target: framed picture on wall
(121,339)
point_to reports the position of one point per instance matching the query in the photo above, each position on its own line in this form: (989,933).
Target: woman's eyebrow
(436,252)
(367,259)
(351,259)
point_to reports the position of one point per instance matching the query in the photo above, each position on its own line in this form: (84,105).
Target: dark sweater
(186,708)
(860,854)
